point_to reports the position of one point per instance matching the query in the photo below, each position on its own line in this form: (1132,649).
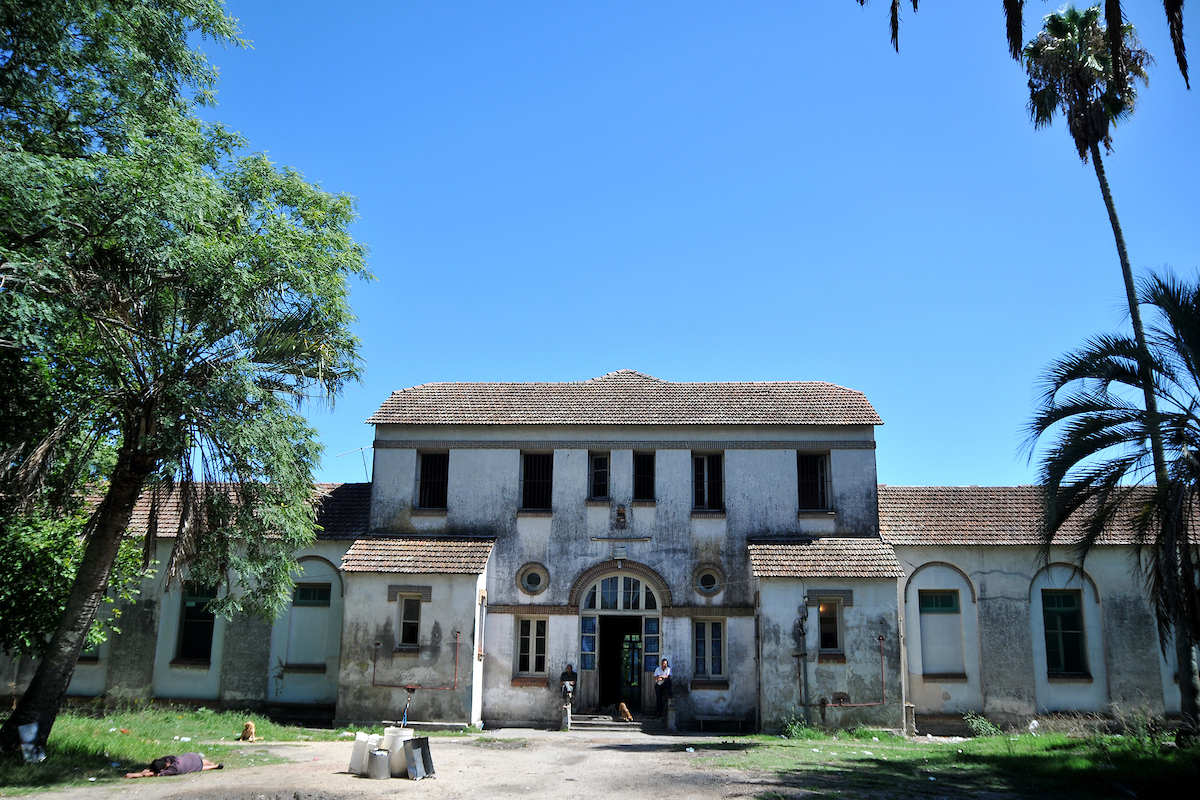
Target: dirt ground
(562,766)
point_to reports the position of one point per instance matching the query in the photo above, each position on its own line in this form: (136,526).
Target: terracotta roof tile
(419,554)
(343,512)
(972,515)
(828,557)
(628,398)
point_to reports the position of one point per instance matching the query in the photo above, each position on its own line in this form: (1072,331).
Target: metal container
(377,765)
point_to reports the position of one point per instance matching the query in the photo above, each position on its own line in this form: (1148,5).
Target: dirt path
(532,765)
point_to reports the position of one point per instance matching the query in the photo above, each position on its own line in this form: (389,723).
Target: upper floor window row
(708,479)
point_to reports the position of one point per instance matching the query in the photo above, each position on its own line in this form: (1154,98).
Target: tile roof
(343,512)
(972,515)
(419,554)
(627,397)
(828,557)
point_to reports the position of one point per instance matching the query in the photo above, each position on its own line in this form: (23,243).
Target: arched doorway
(620,633)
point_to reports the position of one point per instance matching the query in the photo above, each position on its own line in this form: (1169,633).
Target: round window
(709,580)
(533,578)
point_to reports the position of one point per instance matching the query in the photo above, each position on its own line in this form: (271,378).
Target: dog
(247,732)
(623,712)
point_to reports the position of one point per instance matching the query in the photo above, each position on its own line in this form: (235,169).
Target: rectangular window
(311,594)
(531,646)
(196,623)
(598,476)
(587,642)
(643,476)
(709,648)
(1062,612)
(410,622)
(308,624)
(938,601)
(708,481)
(812,478)
(941,632)
(434,480)
(537,472)
(829,626)
(650,638)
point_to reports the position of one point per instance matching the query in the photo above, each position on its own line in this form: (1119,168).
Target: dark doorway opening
(620,661)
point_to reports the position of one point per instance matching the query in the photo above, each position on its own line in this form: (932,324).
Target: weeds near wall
(981,725)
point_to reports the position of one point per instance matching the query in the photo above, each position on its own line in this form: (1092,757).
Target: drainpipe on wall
(802,660)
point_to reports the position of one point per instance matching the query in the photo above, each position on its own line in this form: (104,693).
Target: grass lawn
(1025,766)
(105,748)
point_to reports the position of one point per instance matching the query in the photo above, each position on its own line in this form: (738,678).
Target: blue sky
(717,191)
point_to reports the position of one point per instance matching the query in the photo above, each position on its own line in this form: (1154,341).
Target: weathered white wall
(665,536)
(950,696)
(369,617)
(873,614)
(321,627)
(1010,670)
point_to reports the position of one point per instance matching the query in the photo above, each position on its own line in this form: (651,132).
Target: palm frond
(1174,9)
(1014,25)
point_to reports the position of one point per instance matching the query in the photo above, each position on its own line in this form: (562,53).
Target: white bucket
(393,737)
(358,755)
(398,763)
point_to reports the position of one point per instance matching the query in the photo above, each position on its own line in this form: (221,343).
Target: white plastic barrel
(358,755)
(398,763)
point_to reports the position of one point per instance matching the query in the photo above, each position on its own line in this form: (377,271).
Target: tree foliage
(1097,465)
(1014,29)
(178,298)
(1072,72)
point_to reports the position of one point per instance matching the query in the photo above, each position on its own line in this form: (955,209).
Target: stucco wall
(370,618)
(665,537)
(1008,678)
(855,681)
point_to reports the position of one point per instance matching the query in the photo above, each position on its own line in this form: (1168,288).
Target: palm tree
(1100,467)
(1072,71)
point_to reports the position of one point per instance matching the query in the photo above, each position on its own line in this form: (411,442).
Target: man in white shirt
(662,686)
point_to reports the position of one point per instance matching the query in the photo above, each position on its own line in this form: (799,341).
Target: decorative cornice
(563,444)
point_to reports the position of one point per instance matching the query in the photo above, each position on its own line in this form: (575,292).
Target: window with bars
(537,479)
(708,482)
(433,480)
(410,623)
(643,476)
(531,646)
(1062,613)
(812,477)
(708,648)
(598,476)
(196,623)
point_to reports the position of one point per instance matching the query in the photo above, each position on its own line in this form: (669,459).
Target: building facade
(736,529)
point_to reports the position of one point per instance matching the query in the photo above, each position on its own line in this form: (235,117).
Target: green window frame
(311,594)
(938,601)
(1066,642)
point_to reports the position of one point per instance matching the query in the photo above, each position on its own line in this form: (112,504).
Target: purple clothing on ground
(188,762)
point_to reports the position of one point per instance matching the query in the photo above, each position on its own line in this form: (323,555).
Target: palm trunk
(1189,679)
(43,698)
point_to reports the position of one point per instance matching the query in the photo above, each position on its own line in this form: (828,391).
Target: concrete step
(603,722)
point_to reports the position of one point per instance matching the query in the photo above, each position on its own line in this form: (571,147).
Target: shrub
(797,728)
(981,725)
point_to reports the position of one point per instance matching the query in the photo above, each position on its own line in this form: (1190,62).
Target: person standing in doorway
(662,687)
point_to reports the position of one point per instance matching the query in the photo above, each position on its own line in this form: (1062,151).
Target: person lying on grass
(175,765)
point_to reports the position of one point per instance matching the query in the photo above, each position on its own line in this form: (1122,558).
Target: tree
(1071,71)
(197,294)
(1014,23)
(1099,468)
